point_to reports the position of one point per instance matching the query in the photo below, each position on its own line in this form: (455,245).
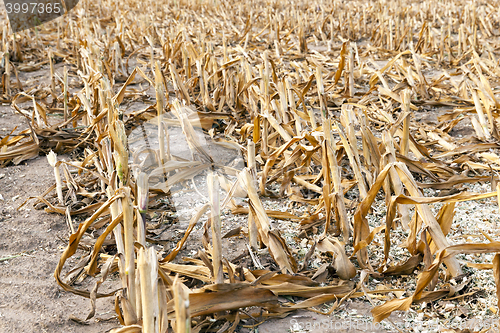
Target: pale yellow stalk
(66,93)
(213,193)
(160,104)
(128,223)
(142,203)
(253,233)
(52,158)
(181,301)
(145,266)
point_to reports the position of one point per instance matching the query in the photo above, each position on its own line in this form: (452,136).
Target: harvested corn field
(253,166)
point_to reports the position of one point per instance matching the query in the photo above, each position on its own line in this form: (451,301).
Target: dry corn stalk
(182,316)
(52,158)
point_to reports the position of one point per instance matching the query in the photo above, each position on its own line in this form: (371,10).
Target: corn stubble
(322,97)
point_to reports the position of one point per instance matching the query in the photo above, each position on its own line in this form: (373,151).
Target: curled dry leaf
(343,266)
